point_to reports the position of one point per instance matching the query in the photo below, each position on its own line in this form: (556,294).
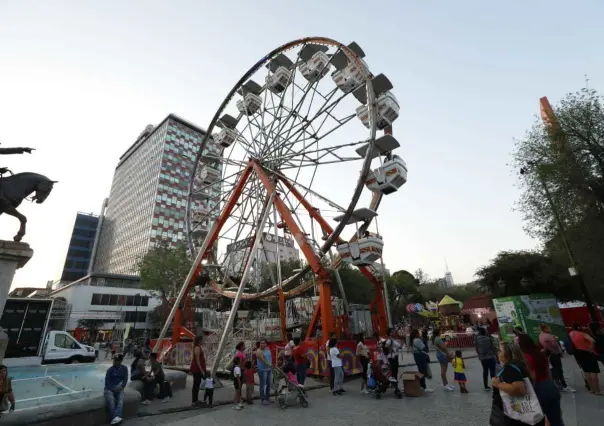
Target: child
(248,378)
(237,383)
(459,368)
(208,395)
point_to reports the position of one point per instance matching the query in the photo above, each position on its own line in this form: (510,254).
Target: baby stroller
(379,379)
(288,388)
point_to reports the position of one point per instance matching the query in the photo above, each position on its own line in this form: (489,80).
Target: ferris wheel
(295,161)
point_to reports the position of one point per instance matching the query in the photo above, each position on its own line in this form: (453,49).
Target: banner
(529,312)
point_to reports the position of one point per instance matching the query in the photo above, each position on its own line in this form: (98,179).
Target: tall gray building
(148,196)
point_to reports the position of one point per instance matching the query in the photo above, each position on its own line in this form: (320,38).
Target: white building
(448,280)
(237,252)
(114,299)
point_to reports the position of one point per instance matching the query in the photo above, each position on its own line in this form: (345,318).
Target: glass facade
(80,247)
(148,198)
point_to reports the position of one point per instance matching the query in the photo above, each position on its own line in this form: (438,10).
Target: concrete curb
(217,403)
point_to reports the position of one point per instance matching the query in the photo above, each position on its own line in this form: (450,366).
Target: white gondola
(226,137)
(250,104)
(389,177)
(350,77)
(279,80)
(387,111)
(362,252)
(316,67)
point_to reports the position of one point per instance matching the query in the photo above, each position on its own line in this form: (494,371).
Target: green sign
(529,312)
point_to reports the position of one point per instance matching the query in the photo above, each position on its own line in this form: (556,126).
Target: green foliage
(544,275)
(164,269)
(357,287)
(570,161)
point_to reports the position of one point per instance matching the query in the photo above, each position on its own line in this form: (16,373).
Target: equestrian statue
(16,188)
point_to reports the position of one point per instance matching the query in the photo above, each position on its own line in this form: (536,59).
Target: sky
(80,80)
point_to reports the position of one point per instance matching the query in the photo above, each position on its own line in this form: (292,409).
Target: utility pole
(574,269)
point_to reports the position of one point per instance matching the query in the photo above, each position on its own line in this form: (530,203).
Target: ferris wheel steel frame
(323,308)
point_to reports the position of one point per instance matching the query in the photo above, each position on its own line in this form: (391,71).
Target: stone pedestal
(12,257)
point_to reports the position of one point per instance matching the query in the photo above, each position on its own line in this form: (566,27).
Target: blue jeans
(301,372)
(549,398)
(115,403)
(421,360)
(266,378)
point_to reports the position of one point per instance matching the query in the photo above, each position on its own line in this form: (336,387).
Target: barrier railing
(459,340)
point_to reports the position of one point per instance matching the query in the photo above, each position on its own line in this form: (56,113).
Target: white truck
(61,347)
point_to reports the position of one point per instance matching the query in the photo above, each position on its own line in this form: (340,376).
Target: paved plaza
(439,408)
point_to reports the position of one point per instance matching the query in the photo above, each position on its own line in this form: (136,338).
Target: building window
(134,316)
(96,299)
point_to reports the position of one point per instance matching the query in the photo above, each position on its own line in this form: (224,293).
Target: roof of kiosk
(359,215)
(382,145)
(448,300)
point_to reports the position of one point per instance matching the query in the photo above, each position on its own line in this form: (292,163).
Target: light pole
(502,286)
(574,269)
(135,312)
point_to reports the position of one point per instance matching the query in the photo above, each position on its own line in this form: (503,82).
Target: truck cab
(61,347)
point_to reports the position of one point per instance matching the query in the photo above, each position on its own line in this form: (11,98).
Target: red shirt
(248,376)
(300,356)
(202,360)
(539,376)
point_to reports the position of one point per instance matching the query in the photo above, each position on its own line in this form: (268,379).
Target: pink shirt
(241,356)
(549,343)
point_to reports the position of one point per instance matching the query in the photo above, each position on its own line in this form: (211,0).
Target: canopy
(448,300)
(478,302)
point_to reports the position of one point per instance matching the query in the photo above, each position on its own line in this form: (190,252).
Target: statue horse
(14,189)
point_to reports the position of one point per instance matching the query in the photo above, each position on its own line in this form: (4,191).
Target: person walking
(511,381)
(487,354)
(546,389)
(197,369)
(586,357)
(363,355)
(598,335)
(116,379)
(444,357)
(328,358)
(392,349)
(553,351)
(300,355)
(265,374)
(336,364)
(421,358)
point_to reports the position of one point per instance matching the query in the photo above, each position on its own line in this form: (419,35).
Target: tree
(164,268)
(541,274)
(569,159)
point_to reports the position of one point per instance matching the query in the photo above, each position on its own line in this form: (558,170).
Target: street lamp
(573,270)
(135,312)
(502,286)
(525,282)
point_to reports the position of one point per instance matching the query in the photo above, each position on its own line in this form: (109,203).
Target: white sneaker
(428,390)
(365,391)
(119,419)
(569,390)
(146,402)
(449,388)
(115,420)
(237,407)
(165,400)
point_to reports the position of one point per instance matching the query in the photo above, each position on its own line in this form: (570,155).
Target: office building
(79,252)
(237,252)
(148,197)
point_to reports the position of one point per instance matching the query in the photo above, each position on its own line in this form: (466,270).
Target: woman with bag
(546,389)
(585,355)
(363,354)
(512,389)
(421,358)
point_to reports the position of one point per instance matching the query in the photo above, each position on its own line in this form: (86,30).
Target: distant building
(237,252)
(149,194)
(448,280)
(81,243)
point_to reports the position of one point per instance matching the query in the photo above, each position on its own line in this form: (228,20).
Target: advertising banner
(529,312)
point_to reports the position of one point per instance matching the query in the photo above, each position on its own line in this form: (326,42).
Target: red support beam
(316,266)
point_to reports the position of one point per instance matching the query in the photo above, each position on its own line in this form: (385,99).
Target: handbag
(525,408)
(5,403)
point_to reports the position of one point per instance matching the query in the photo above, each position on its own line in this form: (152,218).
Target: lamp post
(135,312)
(573,270)
(502,286)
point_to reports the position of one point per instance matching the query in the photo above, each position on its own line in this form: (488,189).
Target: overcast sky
(80,80)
